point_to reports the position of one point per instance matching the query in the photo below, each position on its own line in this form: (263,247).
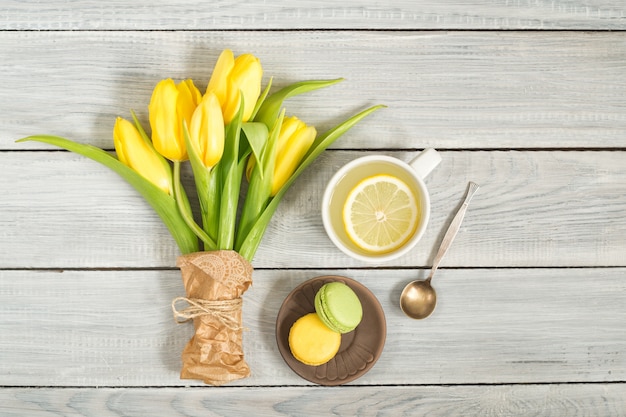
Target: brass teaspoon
(418,299)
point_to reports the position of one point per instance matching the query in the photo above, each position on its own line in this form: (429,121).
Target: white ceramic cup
(354,172)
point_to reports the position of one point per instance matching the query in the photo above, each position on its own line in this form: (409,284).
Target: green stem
(210,199)
(231,170)
(186,215)
(260,185)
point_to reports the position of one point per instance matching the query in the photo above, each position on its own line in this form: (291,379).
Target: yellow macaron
(312,342)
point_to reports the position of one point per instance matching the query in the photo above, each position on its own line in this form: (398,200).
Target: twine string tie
(219,309)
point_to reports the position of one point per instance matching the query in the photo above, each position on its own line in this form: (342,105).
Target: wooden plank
(509,400)
(491,326)
(324,14)
(558,209)
(467,90)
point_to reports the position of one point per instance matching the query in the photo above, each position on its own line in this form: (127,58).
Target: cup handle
(425,162)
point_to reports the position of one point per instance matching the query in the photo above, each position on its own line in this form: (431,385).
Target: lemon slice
(380,214)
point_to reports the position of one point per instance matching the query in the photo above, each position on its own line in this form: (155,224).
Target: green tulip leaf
(261,99)
(231,172)
(260,187)
(269,110)
(256,134)
(163,203)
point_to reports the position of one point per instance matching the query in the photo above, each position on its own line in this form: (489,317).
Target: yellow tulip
(218,84)
(206,130)
(133,151)
(170,105)
(294,141)
(235,76)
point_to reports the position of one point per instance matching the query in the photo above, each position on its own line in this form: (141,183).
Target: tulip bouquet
(235,130)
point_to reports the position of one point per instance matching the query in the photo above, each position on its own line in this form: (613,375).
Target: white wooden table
(527,98)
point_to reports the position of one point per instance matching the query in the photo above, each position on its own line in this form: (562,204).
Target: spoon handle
(453,229)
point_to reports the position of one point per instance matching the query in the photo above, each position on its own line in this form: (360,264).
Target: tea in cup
(376,208)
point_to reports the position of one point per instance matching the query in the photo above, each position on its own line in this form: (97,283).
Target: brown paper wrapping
(215,281)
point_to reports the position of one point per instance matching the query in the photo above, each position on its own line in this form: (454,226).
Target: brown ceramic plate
(359,350)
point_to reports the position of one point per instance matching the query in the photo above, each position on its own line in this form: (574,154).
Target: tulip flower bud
(233,77)
(218,84)
(206,131)
(170,105)
(133,151)
(294,141)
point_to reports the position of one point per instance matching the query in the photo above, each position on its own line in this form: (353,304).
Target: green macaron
(338,307)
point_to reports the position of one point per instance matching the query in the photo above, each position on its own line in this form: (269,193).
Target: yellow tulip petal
(246,76)
(171,105)
(289,128)
(223,67)
(188,99)
(232,103)
(215,129)
(118,142)
(250,166)
(299,139)
(235,76)
(207,130)
(192,91)
(134,152)
(164,119)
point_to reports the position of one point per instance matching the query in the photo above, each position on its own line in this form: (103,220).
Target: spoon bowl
(418,299)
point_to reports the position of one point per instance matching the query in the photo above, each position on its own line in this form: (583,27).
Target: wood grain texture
(608,400)
(454,90)
(491,326)
(524,97)
(60,210)
(323,14)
